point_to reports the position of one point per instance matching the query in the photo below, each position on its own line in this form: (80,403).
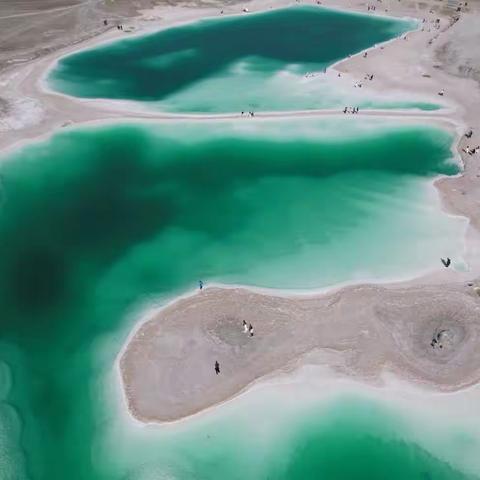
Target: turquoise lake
(96,222)
(261,62)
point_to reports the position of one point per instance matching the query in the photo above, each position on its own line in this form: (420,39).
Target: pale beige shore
(167,366)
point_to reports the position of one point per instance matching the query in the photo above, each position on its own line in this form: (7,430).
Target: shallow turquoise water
(230,64)
(94,222)
(343,436)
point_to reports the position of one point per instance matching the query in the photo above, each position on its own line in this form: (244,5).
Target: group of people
(350,110)
(471,151)
(369,76)
(371,7)
(119,27)
(436,339)
(250,114)
(247,328)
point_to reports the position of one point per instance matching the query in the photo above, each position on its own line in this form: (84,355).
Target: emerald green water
(96,222)
(230,64)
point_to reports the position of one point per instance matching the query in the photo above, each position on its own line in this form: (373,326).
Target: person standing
(217,367)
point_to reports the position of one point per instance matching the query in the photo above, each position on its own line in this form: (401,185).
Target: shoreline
(400,116)
(456,113)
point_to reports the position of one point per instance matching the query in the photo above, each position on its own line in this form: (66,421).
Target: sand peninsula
(167,366)
(425,330)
